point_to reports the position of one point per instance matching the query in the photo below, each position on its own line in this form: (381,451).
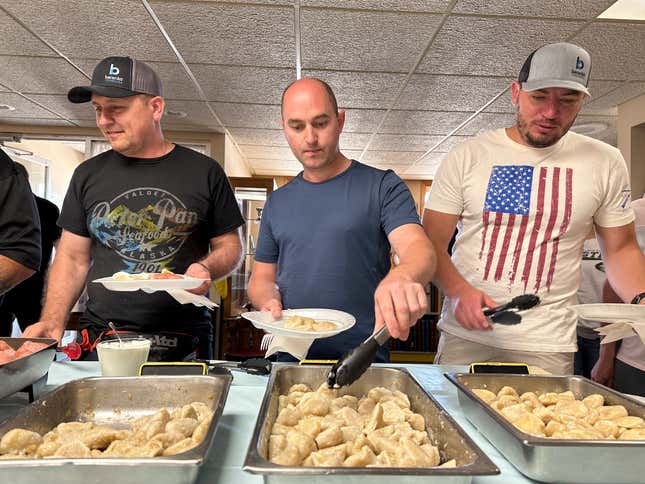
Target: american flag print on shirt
(523,225)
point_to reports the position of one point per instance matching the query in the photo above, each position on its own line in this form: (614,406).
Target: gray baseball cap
(118,77)
(557,65)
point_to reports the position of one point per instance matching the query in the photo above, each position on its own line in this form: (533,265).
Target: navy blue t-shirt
(330,243)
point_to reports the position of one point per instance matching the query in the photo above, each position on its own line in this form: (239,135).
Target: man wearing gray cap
(523,199)
(144,206)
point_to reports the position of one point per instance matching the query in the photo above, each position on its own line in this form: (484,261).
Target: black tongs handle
(506,313)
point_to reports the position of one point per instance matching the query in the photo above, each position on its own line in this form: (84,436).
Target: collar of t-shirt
(146,161)
(546,151)
(340,175)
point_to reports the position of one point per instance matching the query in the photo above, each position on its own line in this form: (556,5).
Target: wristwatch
(638,298)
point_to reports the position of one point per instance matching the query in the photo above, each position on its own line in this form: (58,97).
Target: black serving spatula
(354,363)
(508,313)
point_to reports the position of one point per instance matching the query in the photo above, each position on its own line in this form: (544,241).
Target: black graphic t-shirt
(144,215)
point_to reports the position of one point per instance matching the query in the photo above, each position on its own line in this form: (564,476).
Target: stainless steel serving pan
(554,460)
(443,430)
(116,401)
(18,374)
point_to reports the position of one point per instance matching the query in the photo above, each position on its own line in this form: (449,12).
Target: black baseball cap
(118,77)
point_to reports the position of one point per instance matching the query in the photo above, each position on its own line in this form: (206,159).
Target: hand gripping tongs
(508,313)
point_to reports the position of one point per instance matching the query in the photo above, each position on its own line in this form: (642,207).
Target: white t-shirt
(524,215)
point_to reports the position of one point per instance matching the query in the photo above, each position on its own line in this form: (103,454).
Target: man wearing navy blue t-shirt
(326,236)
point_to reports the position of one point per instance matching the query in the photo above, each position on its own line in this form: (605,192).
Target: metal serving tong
(354,363)
(252,366)
(508,313)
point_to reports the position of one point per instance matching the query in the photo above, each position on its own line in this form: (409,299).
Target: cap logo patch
(579,64)
(578,70)
(113,75)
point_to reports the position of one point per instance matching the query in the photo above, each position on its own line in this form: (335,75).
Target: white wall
(234,164)
(64,161)
(631,141)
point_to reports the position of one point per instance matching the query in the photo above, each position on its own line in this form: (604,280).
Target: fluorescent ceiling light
(625,10)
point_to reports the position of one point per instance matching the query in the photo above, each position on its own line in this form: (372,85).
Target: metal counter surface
(225,460)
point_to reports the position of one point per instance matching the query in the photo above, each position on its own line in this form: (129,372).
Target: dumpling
(392,413)
(362,458)
(20,441)
(184,426)
(594,400)
(330,437)
(301,441)
(486,395)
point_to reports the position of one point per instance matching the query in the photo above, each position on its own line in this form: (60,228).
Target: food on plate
(7,353)
(162,433)
(146,276)
(302,323)
(561,416)
(324,429)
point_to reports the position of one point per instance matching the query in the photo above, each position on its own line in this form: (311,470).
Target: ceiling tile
(264,137)
(261,116)
(623,93)
(252,35)
(91,29)
(243,84)
(617,49)
(490,46)
(362,120)
(381,157)
(450,93)
(18,41)
(24,108)
(175,81)
(361,89)
(577,9)
(395,42)
(403,142)
(421,122)
(395,5)
(60,104)
(42,75)
(487,122)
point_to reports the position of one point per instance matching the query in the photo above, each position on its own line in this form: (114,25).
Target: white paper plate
(611,312)
(264,320)
(149,285)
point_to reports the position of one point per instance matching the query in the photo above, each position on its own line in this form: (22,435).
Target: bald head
(309,86)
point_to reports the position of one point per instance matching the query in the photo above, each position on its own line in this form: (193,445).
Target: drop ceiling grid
(242,53)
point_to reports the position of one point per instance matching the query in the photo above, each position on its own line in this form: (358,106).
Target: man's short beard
(537,143)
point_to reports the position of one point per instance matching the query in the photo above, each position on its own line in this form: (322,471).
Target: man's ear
(515,92)
(341,120)
(158,105)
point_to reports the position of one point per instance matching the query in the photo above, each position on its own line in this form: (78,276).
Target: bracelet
(205,267)
(638,298)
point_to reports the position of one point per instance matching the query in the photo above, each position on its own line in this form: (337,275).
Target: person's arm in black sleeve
(226,250)
(20,250)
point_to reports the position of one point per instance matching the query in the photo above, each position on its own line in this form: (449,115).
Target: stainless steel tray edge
(556,460)
(256,464)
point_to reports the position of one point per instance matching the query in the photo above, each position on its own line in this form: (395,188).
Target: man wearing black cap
(523,199)
(19,227)
(144,206)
